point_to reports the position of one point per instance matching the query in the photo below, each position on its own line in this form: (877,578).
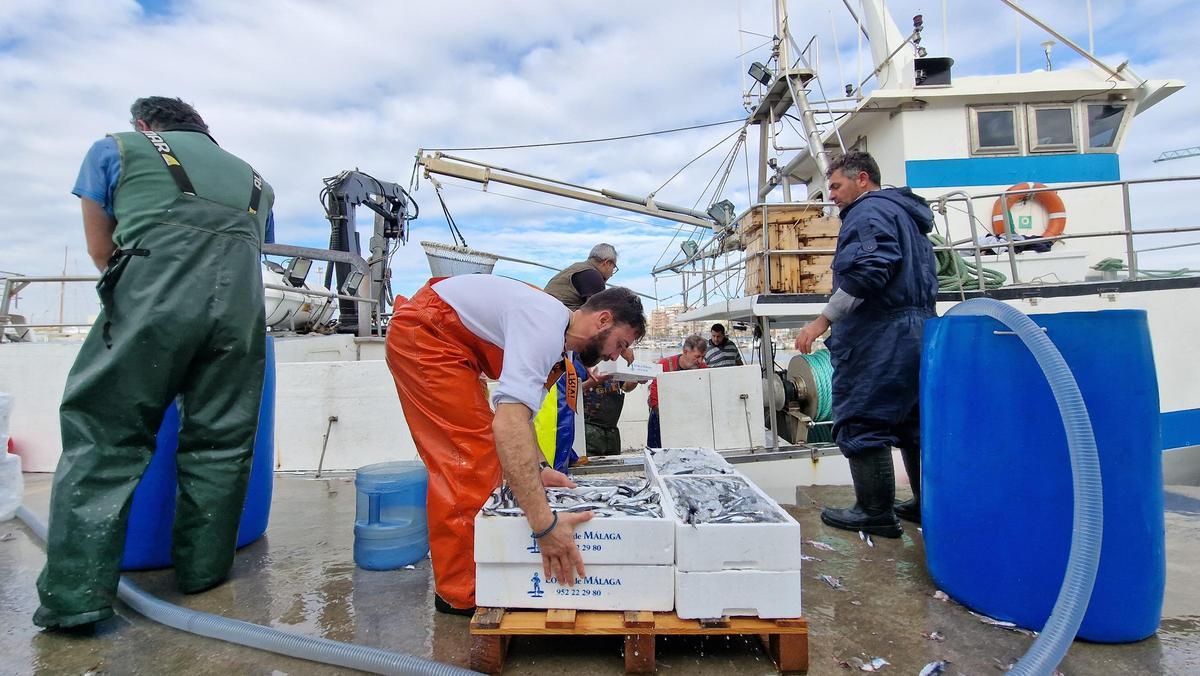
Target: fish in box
(686,461)
(728,523)
(628,526)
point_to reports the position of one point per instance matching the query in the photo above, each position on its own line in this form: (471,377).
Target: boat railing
(712,275)
(13,284)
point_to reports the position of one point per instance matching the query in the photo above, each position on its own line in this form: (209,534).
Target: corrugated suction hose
(336,653)
(1087,528)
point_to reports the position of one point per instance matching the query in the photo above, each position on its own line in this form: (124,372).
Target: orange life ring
(1049,200)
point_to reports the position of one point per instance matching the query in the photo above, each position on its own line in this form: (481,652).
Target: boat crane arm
(480,172)
(391,204)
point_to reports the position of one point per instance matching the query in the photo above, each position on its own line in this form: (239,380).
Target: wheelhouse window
(1104,124)
(1052,128)
(994,131)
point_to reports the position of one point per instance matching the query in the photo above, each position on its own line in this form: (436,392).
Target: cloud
(303,90)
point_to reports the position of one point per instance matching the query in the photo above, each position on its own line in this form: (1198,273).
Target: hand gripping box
(712,547)
(603,587)
(611,539)
(638,371)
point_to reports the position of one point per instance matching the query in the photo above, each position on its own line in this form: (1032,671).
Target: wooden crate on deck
(789,227)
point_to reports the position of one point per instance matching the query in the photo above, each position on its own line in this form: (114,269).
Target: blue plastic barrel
(152,513)
(390,524)
(997,503)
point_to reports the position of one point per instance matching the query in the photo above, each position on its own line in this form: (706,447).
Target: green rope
(822,370)
(820,433)
(955,273)
(1115,265)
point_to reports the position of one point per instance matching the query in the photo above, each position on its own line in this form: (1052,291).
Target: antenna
(1046,47)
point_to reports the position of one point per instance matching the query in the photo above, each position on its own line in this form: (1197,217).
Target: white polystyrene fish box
(638,371)
(605,539)
(604,587)
(710,547)
(768,594)
(686,461)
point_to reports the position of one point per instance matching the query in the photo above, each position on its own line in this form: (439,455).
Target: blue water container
(996,473)
(152,513)
(390,526)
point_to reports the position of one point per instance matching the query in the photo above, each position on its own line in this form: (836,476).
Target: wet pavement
(301,577)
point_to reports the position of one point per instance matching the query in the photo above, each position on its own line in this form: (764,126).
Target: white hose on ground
(348,655)
(1087,528)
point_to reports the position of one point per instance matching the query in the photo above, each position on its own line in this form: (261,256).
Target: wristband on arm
(537,535)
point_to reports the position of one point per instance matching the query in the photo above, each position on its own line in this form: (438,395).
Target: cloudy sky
(303,90)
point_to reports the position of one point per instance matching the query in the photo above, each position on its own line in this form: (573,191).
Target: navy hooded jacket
(883,253)
(885,258)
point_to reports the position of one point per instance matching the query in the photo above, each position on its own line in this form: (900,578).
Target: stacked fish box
(737,552)
(628,550)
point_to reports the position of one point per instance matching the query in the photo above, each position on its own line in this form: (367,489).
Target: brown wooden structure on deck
(789,228)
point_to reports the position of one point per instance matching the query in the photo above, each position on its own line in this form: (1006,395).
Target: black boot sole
(894,531)
(440,605)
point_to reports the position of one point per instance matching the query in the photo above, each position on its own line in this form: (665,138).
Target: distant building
(661,324)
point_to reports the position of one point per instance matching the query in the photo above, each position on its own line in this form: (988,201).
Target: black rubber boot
(910,510)
(874,492)
(440,605)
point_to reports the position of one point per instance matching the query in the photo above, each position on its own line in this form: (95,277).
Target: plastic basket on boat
(447,260)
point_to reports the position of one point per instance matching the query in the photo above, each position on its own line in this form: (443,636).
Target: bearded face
(594,352)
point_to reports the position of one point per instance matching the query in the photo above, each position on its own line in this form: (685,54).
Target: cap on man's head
(719,328)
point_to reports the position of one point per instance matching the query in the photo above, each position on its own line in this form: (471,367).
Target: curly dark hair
(624,304)
(160,112)
(852,163)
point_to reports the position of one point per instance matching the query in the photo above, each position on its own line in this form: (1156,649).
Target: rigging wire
(591,140)
(724,168)
(694,159)
(755,48)
(455,233)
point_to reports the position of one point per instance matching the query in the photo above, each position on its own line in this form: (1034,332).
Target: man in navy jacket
(885,287)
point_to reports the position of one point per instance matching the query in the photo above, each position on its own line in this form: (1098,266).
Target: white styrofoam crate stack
(726,569)
(629,563)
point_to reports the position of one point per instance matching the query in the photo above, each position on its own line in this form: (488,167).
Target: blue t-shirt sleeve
(99,173)
(269,235)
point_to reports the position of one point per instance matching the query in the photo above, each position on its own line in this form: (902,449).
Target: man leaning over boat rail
(885,287)
(439,343)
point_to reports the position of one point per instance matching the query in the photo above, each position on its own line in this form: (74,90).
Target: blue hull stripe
(1049,169)
(1180,428)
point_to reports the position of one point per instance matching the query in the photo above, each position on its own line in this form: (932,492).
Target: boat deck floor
(301,577)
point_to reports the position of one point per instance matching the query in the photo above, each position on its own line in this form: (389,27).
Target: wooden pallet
(492,628)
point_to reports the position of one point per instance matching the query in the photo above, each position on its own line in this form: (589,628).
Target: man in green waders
(176,226)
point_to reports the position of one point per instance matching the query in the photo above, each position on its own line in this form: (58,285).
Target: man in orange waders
(438,345)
